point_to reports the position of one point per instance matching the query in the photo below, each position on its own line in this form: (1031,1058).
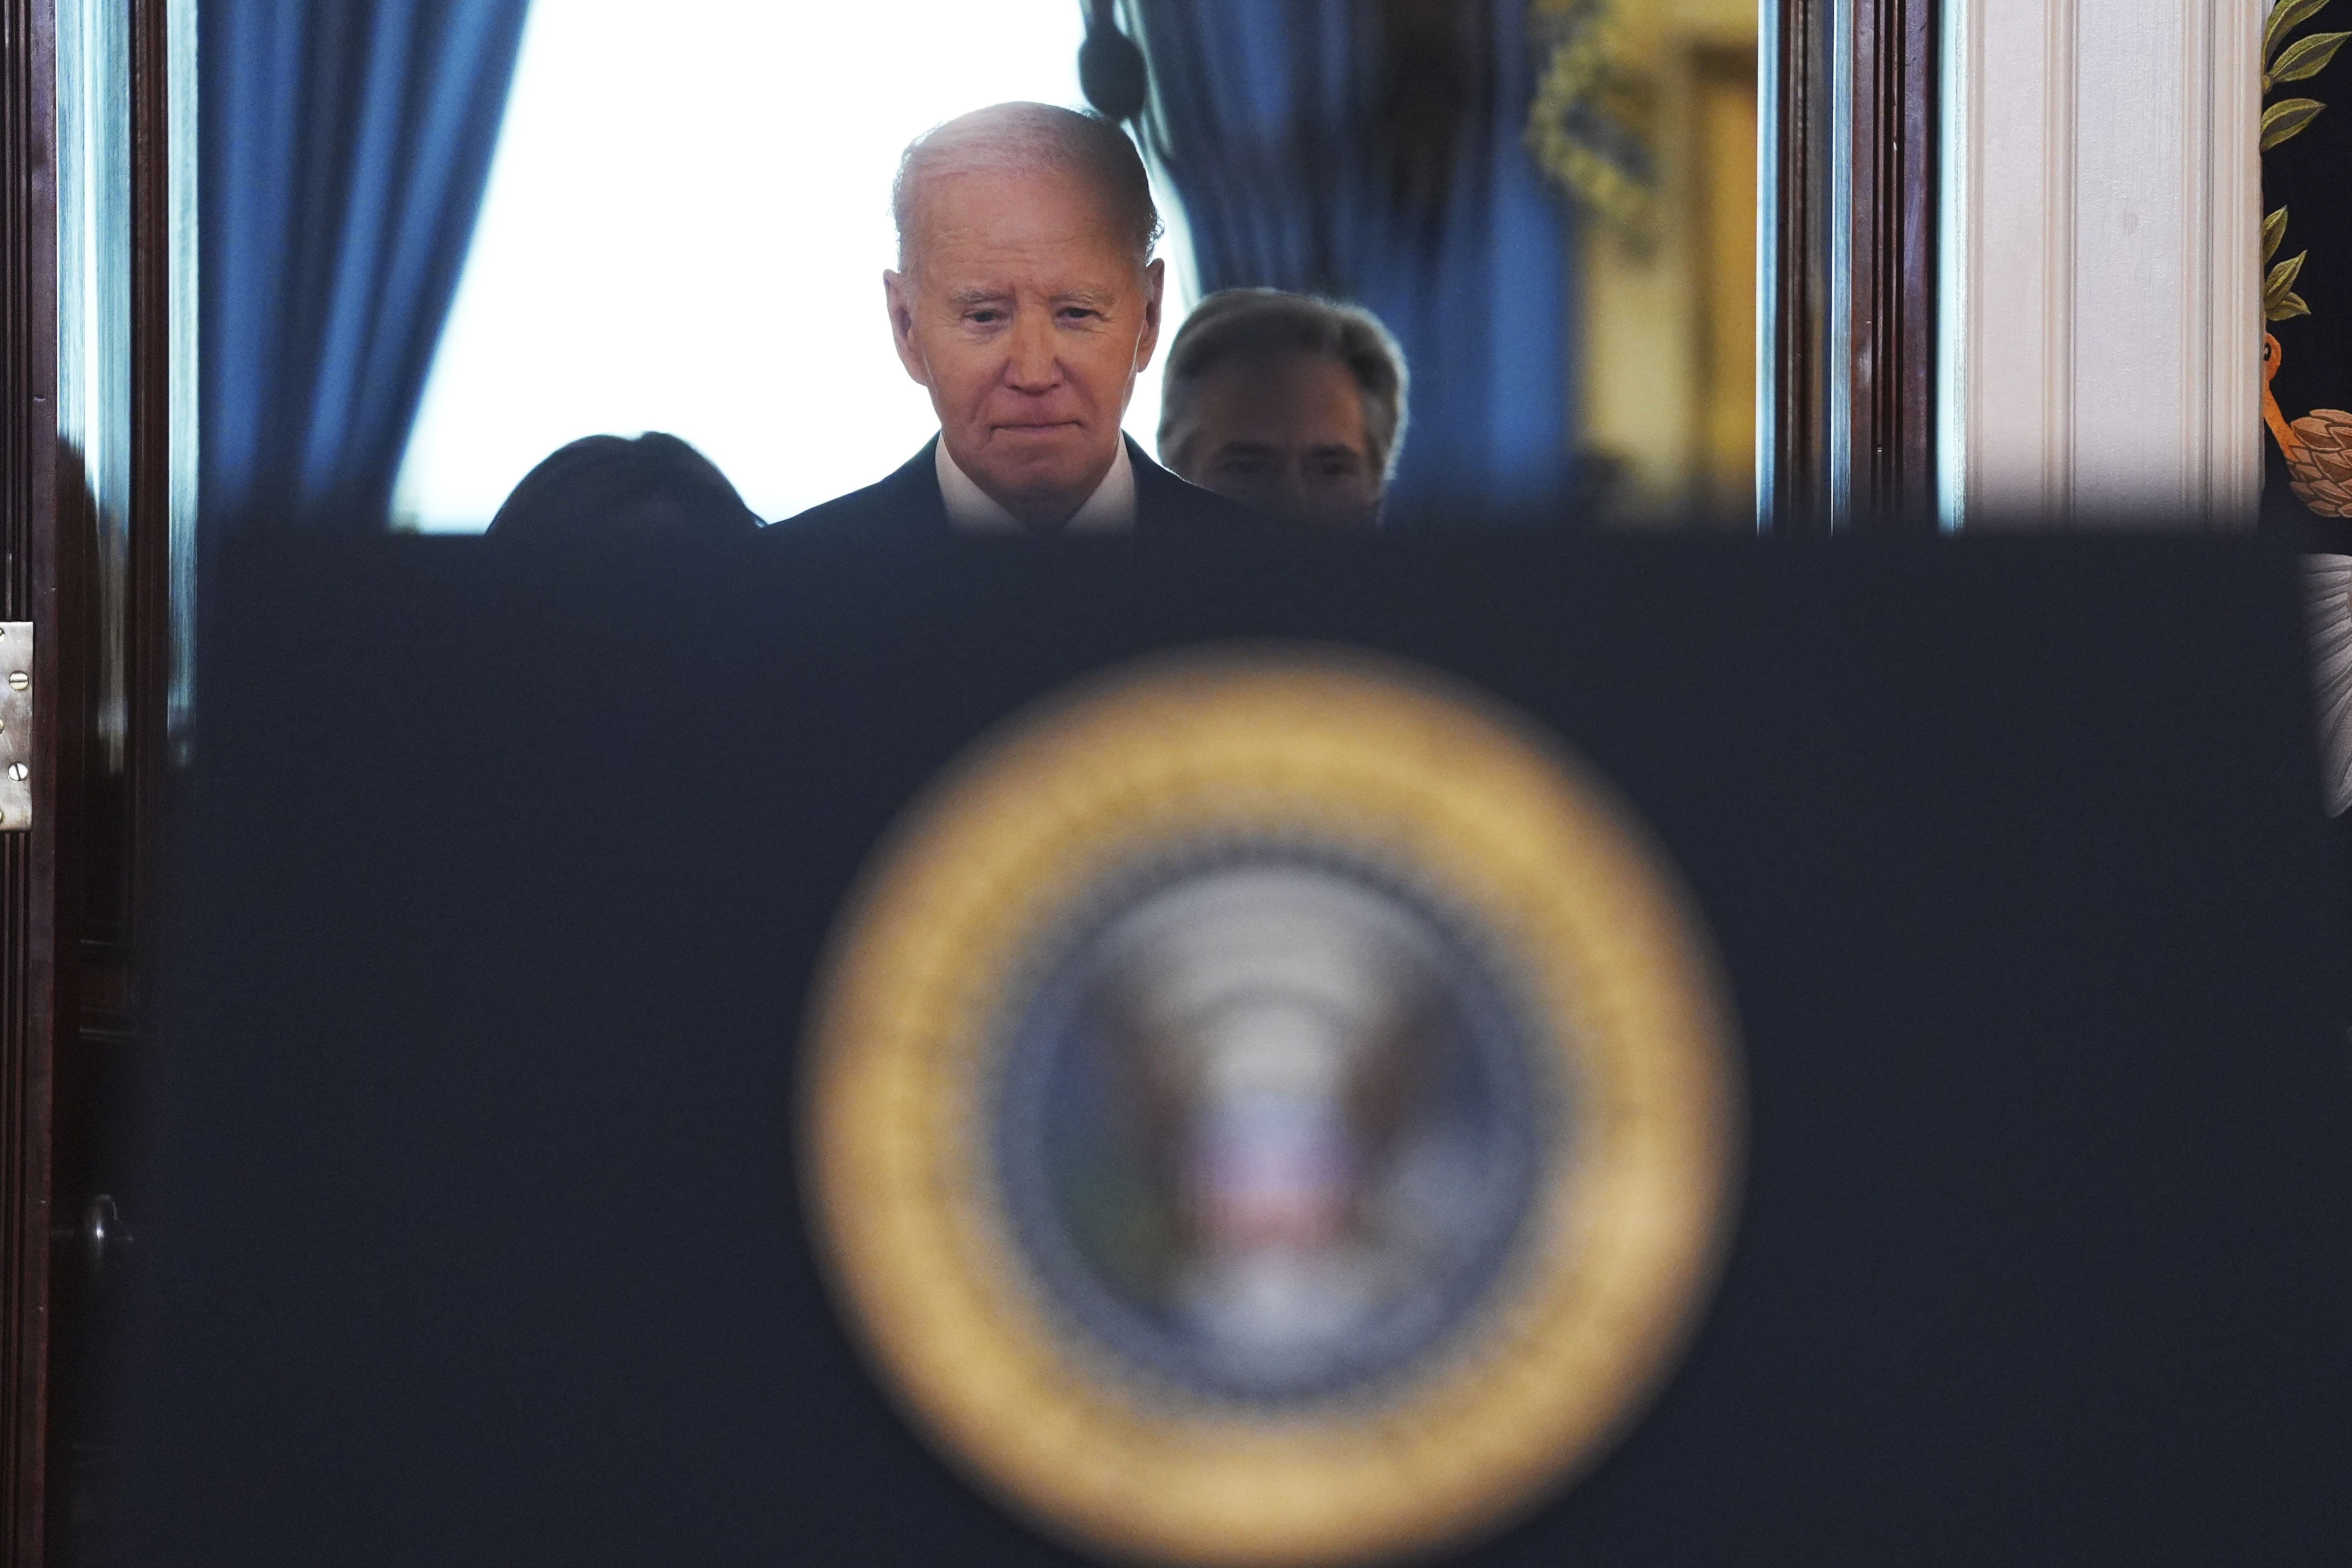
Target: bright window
(686,228)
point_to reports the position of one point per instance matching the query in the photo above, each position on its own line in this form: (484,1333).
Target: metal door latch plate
(16,726)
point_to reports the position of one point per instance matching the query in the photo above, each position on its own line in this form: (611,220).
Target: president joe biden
(1026,300)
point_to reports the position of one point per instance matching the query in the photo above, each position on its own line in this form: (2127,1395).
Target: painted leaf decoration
(2285,18)
(2282,279)
(2284,118)
(2274,232)
(2307,58)
(2286,309)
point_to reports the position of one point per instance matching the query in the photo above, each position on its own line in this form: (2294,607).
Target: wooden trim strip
(32,564)
(1849,298)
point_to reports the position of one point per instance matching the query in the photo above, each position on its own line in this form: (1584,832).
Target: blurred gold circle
(1616,1252)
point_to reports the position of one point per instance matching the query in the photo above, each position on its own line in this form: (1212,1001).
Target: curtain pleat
(1287,128)
(344,150)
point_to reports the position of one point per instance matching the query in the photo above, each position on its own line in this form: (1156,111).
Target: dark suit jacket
(907,505)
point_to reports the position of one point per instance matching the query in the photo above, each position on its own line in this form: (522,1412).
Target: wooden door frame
(1847,378)
(37,987)
(72,922)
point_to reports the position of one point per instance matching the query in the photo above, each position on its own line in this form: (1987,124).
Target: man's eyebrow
(1248,450)
(978,295)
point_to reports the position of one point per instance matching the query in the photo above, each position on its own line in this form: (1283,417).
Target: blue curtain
(344,146)
(1287,127)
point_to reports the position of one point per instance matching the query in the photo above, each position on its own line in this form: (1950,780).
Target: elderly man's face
(1023,312)
(1284,435)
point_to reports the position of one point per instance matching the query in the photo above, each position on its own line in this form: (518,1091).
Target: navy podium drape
(344,146)
(1266,118)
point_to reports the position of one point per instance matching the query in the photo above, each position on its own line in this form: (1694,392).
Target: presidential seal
(1270,1108)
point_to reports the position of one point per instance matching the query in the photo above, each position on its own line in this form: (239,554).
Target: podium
(476,1226)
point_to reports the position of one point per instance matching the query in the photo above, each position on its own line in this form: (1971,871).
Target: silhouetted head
(610,487)
(1288,404)
(1026,297)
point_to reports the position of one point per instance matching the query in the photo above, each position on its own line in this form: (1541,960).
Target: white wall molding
(2100,332)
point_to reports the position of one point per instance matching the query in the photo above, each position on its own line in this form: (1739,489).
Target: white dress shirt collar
(971,509)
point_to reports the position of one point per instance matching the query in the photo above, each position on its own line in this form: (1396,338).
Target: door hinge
(16,726)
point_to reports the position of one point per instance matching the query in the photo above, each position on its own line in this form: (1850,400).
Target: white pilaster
(2101,353)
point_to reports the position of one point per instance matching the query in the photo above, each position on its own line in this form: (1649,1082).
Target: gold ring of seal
(1389,761)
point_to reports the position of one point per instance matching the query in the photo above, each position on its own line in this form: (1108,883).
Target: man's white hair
(1026,138)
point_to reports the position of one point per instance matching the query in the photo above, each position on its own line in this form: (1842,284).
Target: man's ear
(1155,279)
(898,293)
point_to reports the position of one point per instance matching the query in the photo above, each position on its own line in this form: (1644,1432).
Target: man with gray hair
(1293,406)
(1025,300)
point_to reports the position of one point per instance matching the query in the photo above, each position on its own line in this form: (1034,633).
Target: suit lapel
(1151,482)
(913,492)
(1163,501)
